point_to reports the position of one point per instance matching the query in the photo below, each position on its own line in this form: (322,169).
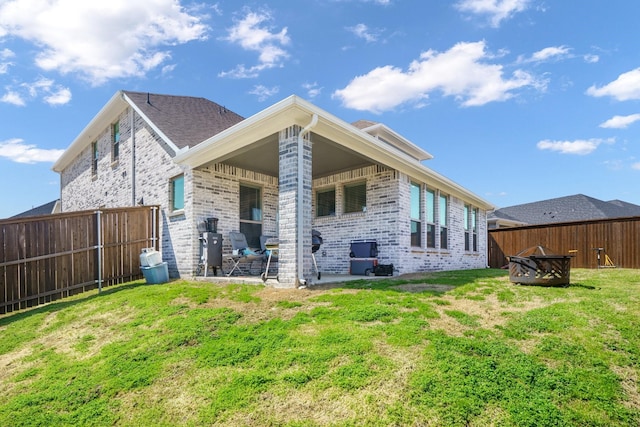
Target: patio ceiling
(328,157)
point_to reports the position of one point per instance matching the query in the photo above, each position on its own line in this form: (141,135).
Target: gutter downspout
(299,213)
(132,128)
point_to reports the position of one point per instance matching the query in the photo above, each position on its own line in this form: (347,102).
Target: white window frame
(172,193)
(415,189)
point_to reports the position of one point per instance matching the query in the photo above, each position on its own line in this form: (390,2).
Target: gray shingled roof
(185,120)
(566,209)
(45,209)
(635,209)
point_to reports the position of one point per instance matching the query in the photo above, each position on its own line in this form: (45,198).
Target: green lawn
(451,348)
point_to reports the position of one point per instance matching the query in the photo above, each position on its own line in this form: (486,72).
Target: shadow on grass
(433,282)
(61,304)
(580,285)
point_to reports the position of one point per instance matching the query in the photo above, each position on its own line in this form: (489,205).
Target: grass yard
(464,348)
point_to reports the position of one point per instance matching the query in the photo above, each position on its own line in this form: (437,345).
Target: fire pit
(539,266)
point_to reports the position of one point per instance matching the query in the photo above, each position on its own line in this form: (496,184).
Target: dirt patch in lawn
(416,288)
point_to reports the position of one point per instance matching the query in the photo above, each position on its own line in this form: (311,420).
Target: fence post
(154,228)
(99,238)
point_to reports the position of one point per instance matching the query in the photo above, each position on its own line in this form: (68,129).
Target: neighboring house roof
(564,209)
(633,209)
(182,121)
(46,209)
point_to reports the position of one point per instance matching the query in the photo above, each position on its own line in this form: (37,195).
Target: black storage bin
(383,270)
(362,266)
(364,249)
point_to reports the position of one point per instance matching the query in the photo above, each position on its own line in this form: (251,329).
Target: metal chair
(242,255)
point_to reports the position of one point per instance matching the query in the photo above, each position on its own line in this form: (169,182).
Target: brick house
(197,159)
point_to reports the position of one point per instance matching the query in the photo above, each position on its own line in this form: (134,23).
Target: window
(467,234)
(177,193)
(431,218)
(416,223)
(115,141)
(470,228)
(355,197)
(326,202)
(251,214)
(443,216)
(94,158)
(474,229)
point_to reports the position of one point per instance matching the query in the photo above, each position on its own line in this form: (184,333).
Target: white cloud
(580,146)
(312,89)
(620,122)
(496,10)
(636,166)
(591,58)
(16,150)
(50,92)
(363,32)
(251,35)
(13,97)
(460,72)
(626,87)
(100,40)
(263,92)
(549,53)
(4,55)
(60,97)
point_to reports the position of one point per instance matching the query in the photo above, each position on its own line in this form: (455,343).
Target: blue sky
(518,100)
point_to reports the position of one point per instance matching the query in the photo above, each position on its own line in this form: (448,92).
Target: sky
(517,100)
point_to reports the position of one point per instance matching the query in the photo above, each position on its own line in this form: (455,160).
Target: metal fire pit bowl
(539,266)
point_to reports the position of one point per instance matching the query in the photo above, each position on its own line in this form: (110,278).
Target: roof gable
(392,138)
(185,120)
(182,121)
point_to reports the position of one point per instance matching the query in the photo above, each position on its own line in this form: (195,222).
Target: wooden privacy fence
(619,237)
(49,257)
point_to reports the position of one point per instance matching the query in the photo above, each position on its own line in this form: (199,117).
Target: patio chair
(242,255)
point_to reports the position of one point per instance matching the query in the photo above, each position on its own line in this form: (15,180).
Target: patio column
(289,274)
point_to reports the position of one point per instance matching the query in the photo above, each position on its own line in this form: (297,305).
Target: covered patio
(296,145)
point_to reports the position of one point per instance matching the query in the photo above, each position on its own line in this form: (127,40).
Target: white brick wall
(387,220)
(215,195)
(113,185)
